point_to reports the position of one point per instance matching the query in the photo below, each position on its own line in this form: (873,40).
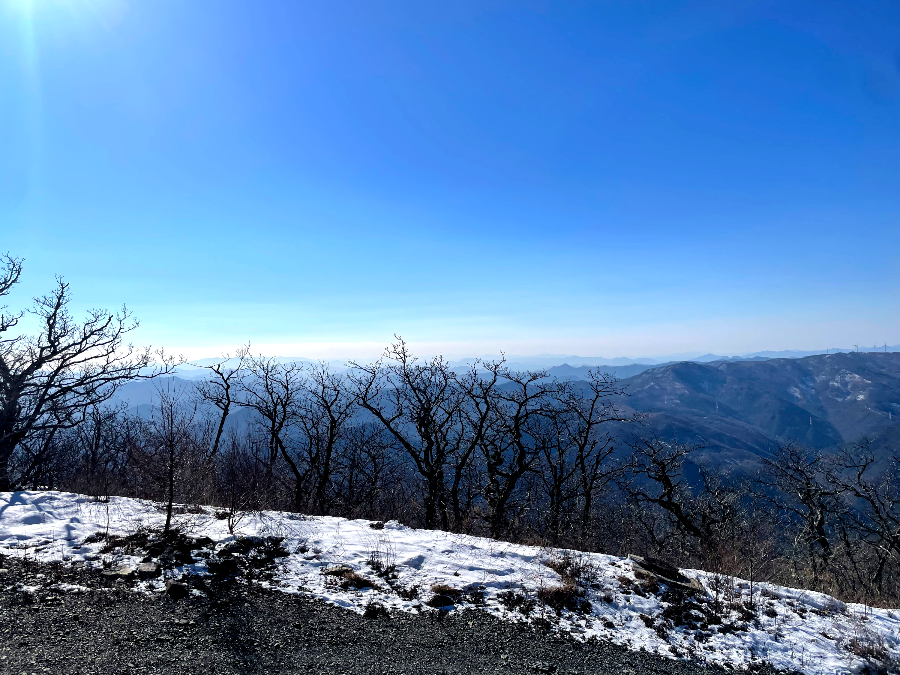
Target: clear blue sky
(610,179)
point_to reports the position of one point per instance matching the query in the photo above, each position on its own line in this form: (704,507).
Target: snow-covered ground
(789,628)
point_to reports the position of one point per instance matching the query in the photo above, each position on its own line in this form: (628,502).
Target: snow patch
(789,628)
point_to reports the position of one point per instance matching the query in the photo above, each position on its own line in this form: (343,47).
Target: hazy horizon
(205,355)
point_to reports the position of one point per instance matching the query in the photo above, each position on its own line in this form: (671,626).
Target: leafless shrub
(454,594)
(407,592)
(516,601)
(566,597)
(354,580)
(870,646)
(575,569)
(373,610)
(382,557)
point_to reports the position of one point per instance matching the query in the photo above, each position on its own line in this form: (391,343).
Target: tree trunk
(5,483)
(6,450)
(171,492)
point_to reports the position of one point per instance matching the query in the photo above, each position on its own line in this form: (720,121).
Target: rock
(122,572)
(147,570)
(176,590)
(377,525)
(226,567)
(666,573)
(337,570)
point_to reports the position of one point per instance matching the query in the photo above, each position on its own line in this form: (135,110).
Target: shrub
(514,601)
(568,597)
(382,558)
(575,570)
(474,595)
(373,610)
(445,595)
(407,593)
(356,581)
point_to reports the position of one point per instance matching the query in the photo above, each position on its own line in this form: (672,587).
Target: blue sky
(542,177)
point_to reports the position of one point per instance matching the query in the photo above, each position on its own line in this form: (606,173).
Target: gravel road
(109,629)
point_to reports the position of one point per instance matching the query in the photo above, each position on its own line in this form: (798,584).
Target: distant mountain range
(195,369)
(740,410)
(551,360)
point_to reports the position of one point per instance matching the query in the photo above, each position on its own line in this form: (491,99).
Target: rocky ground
(104,627)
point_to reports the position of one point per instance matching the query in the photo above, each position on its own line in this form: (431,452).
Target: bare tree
(587,409)
(238,478)
(510,444)
(701,513)
(796,482)
(369,477)
(170,442)
(48,381)
(103,441)
(557,470)
(479,387)
(876,496)
(274,390)
(219,389)
(322,413)
(9,277)
(421,406)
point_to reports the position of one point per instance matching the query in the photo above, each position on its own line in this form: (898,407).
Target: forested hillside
(742,409)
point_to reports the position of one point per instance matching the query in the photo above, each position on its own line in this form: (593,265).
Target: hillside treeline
(508,454)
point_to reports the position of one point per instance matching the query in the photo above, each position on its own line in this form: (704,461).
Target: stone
(122,571)
(665,573)
(337,570)
(226,567)
(147,570)
(176,590)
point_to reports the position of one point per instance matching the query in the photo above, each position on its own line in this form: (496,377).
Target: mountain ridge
(734,407)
